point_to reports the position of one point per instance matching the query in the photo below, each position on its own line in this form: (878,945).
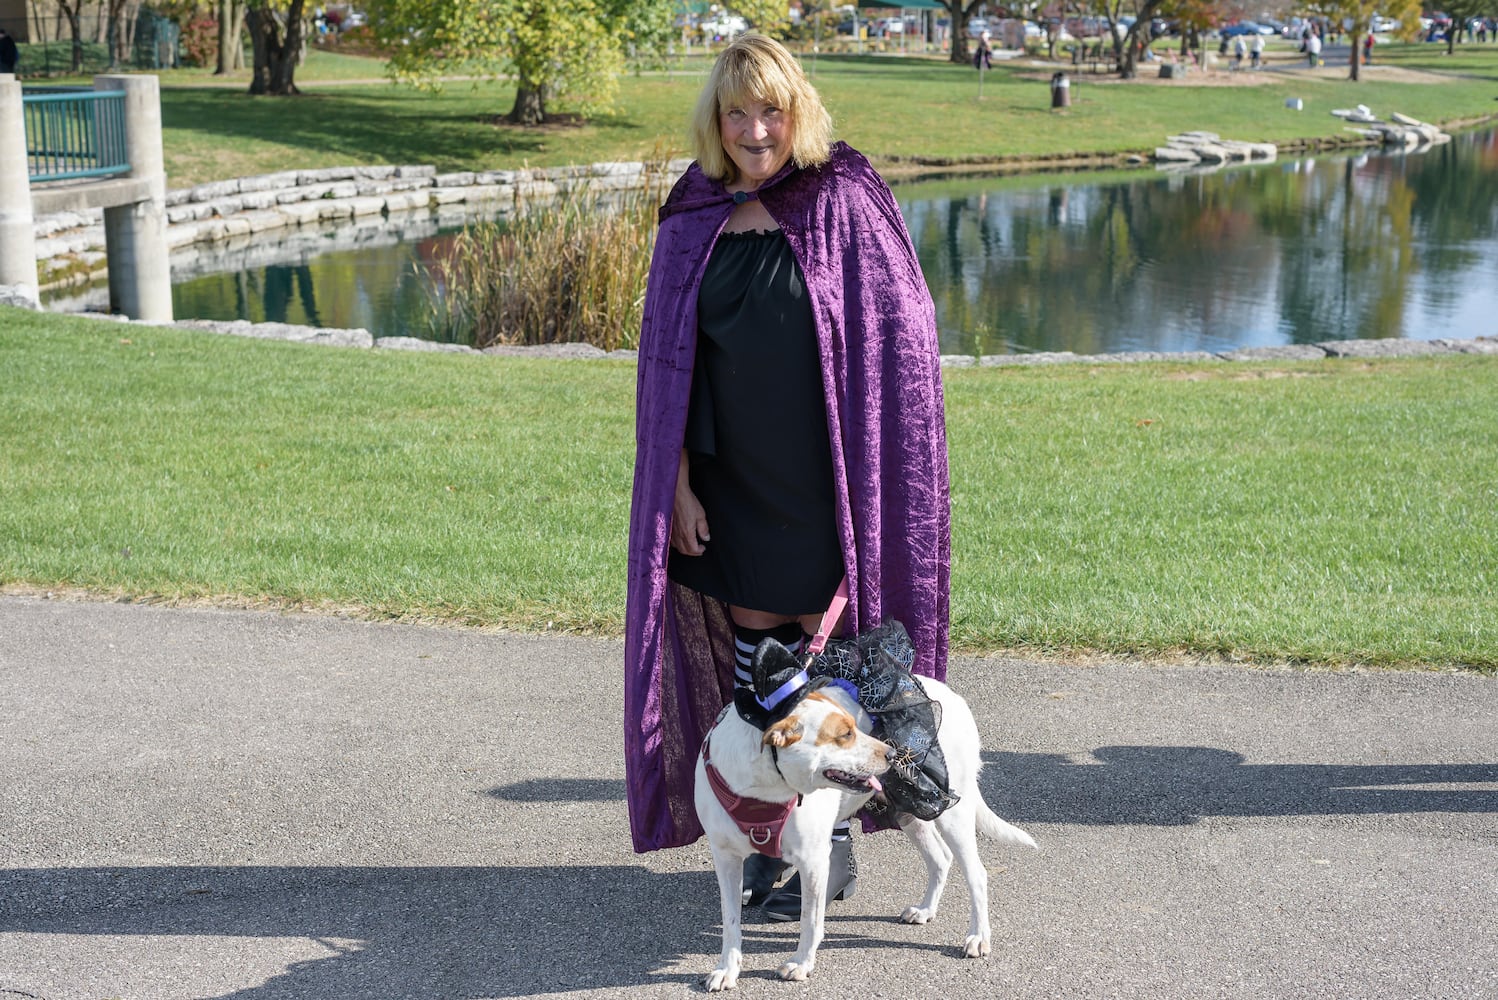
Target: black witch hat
(780,682)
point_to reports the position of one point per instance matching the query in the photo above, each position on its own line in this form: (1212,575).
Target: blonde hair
(757,68)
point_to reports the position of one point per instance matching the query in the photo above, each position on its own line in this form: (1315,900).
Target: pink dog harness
(762,822)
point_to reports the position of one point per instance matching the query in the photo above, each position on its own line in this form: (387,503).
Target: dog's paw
(976,946)
(916,915)
(795,972)
(719,980)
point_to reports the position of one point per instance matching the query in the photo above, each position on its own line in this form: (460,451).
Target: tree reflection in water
(1365,246)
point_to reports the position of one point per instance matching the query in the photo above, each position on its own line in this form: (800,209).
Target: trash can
(1060,91)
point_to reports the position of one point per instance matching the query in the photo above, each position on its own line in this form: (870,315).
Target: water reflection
(1367,246)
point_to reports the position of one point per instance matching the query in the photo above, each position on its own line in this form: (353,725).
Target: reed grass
(568,271)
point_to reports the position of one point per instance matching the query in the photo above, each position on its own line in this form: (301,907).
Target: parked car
(1244,28)
(976,26)
(724,27)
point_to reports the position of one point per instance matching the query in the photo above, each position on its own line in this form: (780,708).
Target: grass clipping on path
(1336,512)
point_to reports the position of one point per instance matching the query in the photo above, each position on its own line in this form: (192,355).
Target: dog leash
(830,618)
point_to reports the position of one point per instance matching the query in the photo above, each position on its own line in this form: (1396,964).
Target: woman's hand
(688,519)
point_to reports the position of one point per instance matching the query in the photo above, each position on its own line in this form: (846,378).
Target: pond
(1299,251)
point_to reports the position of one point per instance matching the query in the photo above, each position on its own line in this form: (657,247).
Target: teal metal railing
(74,133)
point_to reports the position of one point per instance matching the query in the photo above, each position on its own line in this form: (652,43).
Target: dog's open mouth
(857,782)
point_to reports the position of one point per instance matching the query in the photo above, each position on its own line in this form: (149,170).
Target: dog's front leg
(813,909)
(730,892)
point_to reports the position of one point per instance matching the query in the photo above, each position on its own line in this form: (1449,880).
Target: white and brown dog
(780,790)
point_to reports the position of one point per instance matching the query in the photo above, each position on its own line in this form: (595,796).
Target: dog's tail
(1005,833)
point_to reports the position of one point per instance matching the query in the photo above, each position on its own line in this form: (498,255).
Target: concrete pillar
(17,241)
(140,277)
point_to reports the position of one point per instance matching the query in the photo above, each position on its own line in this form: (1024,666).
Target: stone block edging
(361,338)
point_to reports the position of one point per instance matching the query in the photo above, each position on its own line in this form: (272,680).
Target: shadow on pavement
(1166,785)
(455,933)
(424,931)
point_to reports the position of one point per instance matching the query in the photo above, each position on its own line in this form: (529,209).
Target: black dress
(757,441)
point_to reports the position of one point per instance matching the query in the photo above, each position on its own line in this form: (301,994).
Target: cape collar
(695,190)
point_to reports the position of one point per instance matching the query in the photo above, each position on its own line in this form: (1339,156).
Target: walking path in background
(208,803)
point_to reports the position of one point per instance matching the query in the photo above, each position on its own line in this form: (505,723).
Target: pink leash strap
(830,619)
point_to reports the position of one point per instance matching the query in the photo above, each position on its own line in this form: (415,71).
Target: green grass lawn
(1337,512)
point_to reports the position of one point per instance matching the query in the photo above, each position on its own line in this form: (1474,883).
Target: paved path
(257,806)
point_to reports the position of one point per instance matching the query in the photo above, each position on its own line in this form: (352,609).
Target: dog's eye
(845,737)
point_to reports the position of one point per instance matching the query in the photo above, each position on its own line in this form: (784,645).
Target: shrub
(200,40)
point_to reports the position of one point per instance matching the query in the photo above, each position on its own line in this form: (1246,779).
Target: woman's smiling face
(757,138)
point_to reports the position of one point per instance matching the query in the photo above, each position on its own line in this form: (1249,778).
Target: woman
(983,57)
(789,426)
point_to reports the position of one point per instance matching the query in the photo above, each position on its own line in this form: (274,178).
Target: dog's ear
(773,667)
(783,734)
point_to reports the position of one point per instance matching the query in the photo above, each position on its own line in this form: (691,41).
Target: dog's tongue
(875,785)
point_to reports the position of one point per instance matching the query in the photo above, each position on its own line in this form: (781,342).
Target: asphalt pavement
(258,805)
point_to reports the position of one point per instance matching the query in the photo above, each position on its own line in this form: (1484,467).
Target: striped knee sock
(746,639)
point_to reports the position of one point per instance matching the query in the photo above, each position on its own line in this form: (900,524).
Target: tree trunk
(959,31)
(118,13)
(230,15)
(530,105)
(236,34)
(1125,51)
(73,14)
(226,38)
(1354,57)
(275,53)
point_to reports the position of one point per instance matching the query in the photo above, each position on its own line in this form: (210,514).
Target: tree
(1461,13)
(1127,45)
(72,10)
(961,11)
(1357,17)
(231,17)
(276,41)
(643,27)
(770,17)
(1193,18)
(121,15)
(554,52)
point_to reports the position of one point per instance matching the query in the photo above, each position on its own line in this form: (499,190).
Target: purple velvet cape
(881,377)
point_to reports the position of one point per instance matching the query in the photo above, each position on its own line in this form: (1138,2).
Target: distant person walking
(1368,48)
(9,54)
(1313,49)
(1239,49)
(1256,52)
(983,57)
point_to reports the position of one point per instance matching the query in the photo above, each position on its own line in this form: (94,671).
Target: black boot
(842,879)
(761,872)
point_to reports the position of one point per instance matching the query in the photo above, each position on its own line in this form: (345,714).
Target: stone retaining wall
(70,245)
